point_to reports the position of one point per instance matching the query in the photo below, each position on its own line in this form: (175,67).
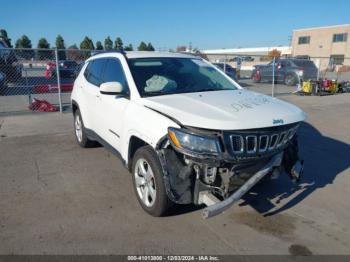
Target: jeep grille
(253,143)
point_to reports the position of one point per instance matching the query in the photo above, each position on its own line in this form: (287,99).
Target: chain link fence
(36,80)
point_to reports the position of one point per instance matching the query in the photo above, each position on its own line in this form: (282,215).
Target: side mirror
(111,88)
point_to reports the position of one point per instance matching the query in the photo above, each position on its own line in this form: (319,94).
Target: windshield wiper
(212,89)
(157,93)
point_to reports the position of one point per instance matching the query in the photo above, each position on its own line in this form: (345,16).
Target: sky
(206,24)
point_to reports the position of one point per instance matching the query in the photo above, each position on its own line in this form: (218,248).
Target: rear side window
(94,70)
(113,72)
(304,63)
(285,63)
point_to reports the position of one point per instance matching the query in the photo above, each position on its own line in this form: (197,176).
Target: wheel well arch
(134,144)
(74,106)
(292,74)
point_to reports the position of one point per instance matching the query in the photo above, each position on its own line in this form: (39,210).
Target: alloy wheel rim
(145,182)
(78,128)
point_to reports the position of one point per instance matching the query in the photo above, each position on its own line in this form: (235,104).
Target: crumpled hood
(226,110)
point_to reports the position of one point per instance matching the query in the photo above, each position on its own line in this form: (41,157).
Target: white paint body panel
(226,110)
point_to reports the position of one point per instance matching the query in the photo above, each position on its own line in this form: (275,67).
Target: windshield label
(249,103)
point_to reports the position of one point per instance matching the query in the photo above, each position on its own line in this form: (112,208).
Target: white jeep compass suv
(187,132)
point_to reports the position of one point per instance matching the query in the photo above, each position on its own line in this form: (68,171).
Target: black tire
(290,80)
(2,89)
(161,203)
(83,141)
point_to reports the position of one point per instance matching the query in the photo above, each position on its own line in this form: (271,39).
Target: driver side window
(94,70)
(114,72)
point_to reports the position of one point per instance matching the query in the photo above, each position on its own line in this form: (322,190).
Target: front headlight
(186,141)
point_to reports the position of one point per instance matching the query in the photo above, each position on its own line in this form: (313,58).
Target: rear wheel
(148,182)
(291,80)
(80,132)
(2,88)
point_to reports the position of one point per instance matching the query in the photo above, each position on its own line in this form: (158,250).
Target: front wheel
(148,182)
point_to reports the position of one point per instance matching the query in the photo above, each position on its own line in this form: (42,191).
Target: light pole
(319,62)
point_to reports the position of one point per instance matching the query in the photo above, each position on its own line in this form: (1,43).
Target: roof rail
(97,52)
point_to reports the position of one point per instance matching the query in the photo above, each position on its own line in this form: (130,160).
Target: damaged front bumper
(219,181)
(216,207)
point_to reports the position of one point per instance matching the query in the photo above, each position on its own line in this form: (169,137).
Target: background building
(322,44)
(328,47)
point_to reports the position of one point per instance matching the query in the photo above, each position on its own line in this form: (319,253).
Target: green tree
(99,45)
(24,42)
(142,47)
(87,44)
(61,46)
(4,37)
(108,43)
(129,48)
(60,42)
(150,47)
(43,44)
(118,44)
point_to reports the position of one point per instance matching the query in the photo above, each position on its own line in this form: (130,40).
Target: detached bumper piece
(297,171)
(215,206)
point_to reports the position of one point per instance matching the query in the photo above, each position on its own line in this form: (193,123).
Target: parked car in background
(78,68)
(67,69)
(228,69)
(289,71)
(9,63)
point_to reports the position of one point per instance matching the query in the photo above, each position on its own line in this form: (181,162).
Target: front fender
(145,124)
